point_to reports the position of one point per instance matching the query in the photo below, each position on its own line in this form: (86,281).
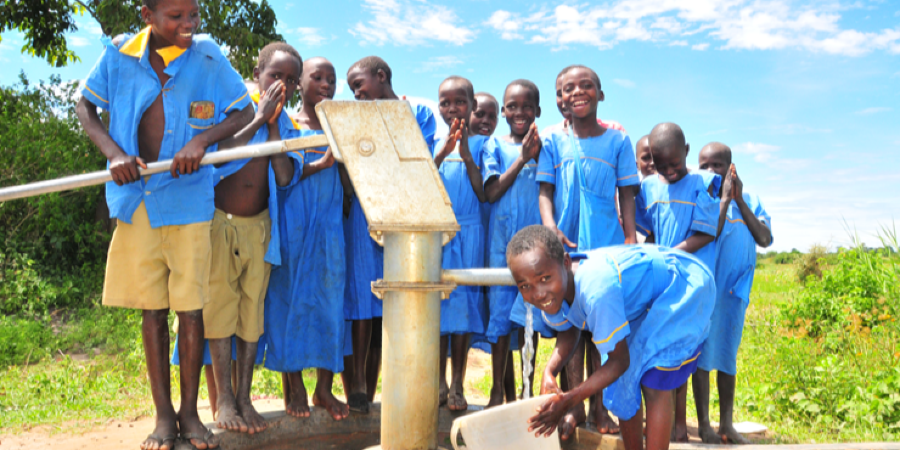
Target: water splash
(527,351)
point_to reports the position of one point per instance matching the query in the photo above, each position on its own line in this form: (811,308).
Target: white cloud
(401,22)
(310,37)
(624,83)
(339,85)
(288,6)
(761,152)
(78,41)
(438,63)
(700,47)
(738,24)
(873,110)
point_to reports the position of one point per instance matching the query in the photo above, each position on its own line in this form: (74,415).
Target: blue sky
(807,94)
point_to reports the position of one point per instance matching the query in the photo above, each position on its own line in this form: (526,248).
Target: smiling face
(365,84)
(644,158)
(715,159)
(520,109)
(581,92)
(670,162)
(173,22)
(542,280)
(454,101)
(281,66)
(318,82)
(484,119)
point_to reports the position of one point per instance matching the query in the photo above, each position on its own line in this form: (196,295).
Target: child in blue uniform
(306,293)
(369,79)
(743,225)
(678,209)
(509,172)
(170,95)
(458,157)
(647,308)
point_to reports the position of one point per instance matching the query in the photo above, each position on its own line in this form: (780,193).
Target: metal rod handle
(102,176)
(478,277)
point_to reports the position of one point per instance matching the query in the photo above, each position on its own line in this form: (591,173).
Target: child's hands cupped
(548,415)
(187,160)
(124,169)
(463,138)
(531,144)
(728,186)
(452,137)
(271,102)
(737,186)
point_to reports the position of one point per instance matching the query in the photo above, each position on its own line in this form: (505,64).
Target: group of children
(257,256)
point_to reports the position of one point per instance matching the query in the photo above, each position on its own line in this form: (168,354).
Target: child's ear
(382,77)
(601,96)
(503,112)
(687,149)
(147,15)
(474,104)
(256,74)
(567,262)
(537,112)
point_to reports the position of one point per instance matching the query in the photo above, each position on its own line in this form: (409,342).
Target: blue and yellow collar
(137,45)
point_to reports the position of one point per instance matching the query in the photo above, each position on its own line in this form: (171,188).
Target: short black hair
(579,66)
(527,84)
(718,147)
(373,64)
(532,237)
(489,96)
(267,52)
(667,135)
(467,85)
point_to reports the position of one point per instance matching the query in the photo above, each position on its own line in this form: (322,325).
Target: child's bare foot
(200,437)
(337,409)
(679,433)
(299,404)
(606,424)
(730,436)
(570,421)
(228,417)
(456,399)
(443,393)
(497,396)
(255,422)
(163,436)
(707,435)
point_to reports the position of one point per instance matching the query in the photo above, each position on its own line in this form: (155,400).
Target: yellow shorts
(158,268)
(239,276)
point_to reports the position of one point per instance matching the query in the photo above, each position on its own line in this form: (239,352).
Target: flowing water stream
(528,350)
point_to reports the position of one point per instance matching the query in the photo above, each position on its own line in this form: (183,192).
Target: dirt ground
(119,434)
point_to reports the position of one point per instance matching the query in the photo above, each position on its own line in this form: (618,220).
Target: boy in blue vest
(171,95)
(743,224)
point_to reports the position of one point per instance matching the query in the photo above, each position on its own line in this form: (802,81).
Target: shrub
(53,246)
(809,263)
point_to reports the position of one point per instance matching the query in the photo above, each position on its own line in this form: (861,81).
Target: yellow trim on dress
(200,127)
(671,201)
(625,178)
(137,45)
(584,157)
(648,231)
(702,223)
(95,94)
(603,341)
(553,324)
(235,102)
(673,369)
(729,220)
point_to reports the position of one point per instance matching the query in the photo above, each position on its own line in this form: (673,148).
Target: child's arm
(449,144)
(124,168)
(626,203)
(268,111)
(760,232)
(695,242)
(531,149)
(551,412)
(472,169)
(565,343)
(318,165)
(187,160)
(545,205)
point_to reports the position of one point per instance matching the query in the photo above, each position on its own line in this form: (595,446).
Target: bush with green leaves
(54,246)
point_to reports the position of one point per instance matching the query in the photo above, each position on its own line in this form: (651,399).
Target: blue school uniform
(607,162)
(674,212)
(735,265)
(464,311)
(207,357)
(304,304)
(659,300)
(365,258)
(516,209)
(202,91)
